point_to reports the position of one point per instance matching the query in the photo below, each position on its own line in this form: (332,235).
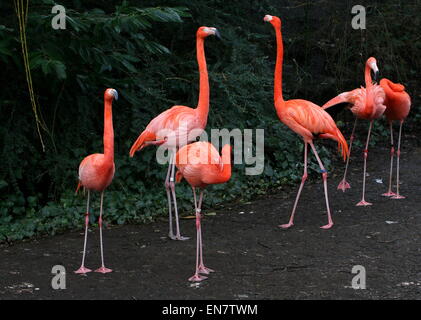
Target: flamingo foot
(197,278)
(204,270)
(398,196)
(181,238)
(389,194)
(363,203)
(343,185)
(286,226)
(82,270)
(327,226)
(103,270)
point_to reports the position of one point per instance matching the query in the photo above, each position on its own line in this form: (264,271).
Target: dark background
(146,50)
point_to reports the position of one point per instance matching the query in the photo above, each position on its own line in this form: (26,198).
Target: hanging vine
(21,9)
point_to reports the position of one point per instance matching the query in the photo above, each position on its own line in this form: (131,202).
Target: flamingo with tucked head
(201,165)
(306,119)
(365,103)
(173,127)
(398,104)
(96,172)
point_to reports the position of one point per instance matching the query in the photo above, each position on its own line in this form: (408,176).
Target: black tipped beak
(217,34)
(376,75)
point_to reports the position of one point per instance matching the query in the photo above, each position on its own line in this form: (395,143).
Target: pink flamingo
(201,165)
(366,103)
(398,104)
(96,172)
(306,119)
(174,126)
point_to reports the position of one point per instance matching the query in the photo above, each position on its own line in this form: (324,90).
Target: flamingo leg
(389,192)
(168,190)
(197,277)
(398,154)
(178,236)
(303,180)
(82,268)
(343,185)
(324,175)
(202,268)
(363,202)
(102,269)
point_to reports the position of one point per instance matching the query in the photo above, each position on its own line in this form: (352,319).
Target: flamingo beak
(217,34)
(267,18)
(115,94)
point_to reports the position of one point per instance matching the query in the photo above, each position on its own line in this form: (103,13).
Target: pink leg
(168,190)
(303,180)
(363,202)
(102,269)
(398,153)
(324,175)
(343,185)
(82,268)
(197,277)
(202,268)
(390,193)
(178,236)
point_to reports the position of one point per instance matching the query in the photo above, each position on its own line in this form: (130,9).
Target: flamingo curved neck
(108,131)
(367,76)
(203,103)
(278,67)
(369,103)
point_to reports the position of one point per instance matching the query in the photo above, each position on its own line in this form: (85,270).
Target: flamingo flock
(201,164)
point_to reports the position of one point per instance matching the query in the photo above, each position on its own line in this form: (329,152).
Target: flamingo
(366,103)
(306,119)
(398,104)
(172,127)
(96,172)
(201,165)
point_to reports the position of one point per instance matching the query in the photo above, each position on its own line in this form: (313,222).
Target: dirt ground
(253,258)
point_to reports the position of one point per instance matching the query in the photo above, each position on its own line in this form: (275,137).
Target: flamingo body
(95,172)
(178,126)
(398,105)
(201,165)
(398,102)
(310,121)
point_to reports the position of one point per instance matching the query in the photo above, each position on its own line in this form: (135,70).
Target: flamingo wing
(310,121)
(171,127)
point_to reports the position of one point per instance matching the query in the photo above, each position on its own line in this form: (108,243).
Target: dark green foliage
(146,50)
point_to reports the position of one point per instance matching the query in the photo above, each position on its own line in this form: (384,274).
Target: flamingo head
(111,94)
(203,32)
(274,20)
(372,64)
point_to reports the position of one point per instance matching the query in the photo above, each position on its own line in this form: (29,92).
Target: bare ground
(253,258)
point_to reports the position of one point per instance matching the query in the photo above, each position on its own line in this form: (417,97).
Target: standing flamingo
(201,165)
(96,172)
(366,103)
(172,127)
(306,119)
(398,104)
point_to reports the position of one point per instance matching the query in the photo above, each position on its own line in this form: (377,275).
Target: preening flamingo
(366,103)
(172,127)
(201,165)
(96,172)
(398,104)
(306,119)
